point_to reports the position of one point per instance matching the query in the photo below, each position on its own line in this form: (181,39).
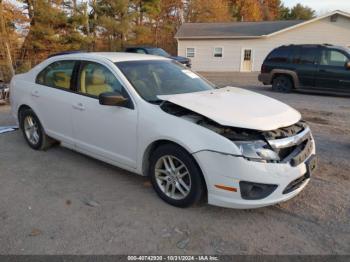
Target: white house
(243,46)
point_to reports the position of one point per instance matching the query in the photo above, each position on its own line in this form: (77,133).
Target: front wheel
(175,176)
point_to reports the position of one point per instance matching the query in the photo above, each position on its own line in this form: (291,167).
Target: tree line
(37,28)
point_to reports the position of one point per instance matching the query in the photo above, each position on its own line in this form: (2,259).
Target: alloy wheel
(283,85)
(31,130)
(172,177)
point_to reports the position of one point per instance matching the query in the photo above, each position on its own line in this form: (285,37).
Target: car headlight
(257,151)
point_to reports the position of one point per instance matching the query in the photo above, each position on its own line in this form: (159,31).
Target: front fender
(156,125)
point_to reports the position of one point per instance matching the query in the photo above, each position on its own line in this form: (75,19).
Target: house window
(190,52)
(334,18)
(247,55)
(218,52)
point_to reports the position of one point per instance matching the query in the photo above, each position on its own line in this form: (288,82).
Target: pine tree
(166,24)
(47,24)
(113,23)
(198,11)
(76,34)
(144,12)
(300,12)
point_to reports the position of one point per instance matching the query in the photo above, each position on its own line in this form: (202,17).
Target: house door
(247,60)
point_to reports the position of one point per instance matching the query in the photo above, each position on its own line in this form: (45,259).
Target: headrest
(60,76)
(98,77)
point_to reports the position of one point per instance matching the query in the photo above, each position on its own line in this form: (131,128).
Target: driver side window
(96,79)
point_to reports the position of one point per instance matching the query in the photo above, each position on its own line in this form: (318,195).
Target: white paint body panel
(232,106)
(123,136)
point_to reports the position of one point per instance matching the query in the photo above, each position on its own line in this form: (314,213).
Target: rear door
(333,74)
(305,60)
(53,95)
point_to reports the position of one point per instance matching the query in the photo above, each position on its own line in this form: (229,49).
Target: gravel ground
(62,202)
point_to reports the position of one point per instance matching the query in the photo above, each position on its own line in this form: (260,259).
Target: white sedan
(154,117)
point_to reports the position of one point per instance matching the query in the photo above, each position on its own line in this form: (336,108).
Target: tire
(187,192)
(282,84)
(33,131)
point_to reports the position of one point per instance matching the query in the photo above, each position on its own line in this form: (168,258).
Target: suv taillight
(264,69)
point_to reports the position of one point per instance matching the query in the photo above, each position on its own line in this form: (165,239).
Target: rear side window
(308,55)
(57,74)
(279,55)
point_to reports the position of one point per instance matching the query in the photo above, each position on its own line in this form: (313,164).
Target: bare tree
(5,44)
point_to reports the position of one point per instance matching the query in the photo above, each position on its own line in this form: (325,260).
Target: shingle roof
(233,30)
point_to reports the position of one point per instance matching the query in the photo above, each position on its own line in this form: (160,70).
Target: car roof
(143,46)
(112,56)
(317,45)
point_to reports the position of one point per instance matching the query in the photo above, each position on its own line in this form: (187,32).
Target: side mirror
(347,65)
(112,99)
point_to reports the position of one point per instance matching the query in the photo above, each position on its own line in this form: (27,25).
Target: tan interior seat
(83,81)
(97,83)
(61,79)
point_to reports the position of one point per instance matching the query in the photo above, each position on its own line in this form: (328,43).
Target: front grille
(301,153)
(285,132)
(294,185)
(293,144)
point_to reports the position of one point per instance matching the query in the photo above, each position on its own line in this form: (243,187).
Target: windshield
(156,77)
(157,51)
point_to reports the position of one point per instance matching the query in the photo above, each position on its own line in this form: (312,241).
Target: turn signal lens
(228,188)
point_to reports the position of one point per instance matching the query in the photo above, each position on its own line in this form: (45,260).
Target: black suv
(159,52)
(312,68)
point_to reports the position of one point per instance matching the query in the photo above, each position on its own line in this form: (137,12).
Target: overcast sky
(322,6)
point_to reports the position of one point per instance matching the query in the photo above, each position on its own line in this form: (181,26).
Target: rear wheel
(175,176)
(282,84)
(33,131)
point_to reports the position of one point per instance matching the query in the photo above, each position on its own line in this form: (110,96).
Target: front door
(333,74)
(247,60)
(106,131)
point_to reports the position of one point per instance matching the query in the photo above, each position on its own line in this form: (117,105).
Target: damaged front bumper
(255,184)
(230,171)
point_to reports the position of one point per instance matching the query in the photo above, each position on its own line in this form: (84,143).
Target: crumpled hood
(236,107)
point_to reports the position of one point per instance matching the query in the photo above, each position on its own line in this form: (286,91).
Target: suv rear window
(279,55)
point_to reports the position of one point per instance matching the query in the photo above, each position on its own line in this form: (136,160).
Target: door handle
(323,70)
(79,106)
(35,93)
